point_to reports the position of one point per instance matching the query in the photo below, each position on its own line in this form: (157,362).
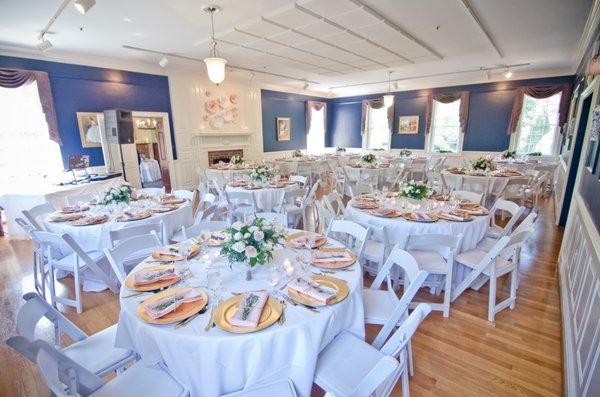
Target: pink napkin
(453,217)
(301,241)
(144,277)
(331,256)
(422,217)
(250,309)
(170,303)
(313,289)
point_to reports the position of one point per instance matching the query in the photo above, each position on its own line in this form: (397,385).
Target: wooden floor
(462,355)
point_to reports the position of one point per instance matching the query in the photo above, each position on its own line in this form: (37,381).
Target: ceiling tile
(236,37)
(313,46)
(242,52)
(290,38)
(371,51)
(289,52)
(265,45)
(319,29)
(329,7)
(355,19)
(261,28)
(340,38)
(292,18)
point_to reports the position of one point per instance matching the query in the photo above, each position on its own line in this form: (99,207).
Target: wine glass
(213,282)
(274,277)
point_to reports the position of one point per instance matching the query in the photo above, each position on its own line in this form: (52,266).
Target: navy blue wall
(78,88)
(281,104)
(490,106)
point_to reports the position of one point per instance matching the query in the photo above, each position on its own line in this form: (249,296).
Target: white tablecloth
(267,199)
(15,199)
(96,237)
(223,176)
(217,362)
(496,183)
(150,171)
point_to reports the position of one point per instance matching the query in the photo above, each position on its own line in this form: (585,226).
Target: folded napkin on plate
(304,239)
(144,277)
(384,211)
(168,253)
(453,217)
(331,256)
(250,309)
(313,289)
(171,302)
(422,217)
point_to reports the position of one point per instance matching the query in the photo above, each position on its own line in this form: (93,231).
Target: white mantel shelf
(222,134)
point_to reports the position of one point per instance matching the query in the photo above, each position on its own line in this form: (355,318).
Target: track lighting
(84,6)
(488,75)
(251,76)
(164,61)
(508,73)
(44,45)
(305,86)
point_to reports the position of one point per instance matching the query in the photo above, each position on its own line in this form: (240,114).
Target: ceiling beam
(485,31)
(397,28)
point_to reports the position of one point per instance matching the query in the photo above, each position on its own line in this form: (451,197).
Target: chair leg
(405,385)
(447,294)
(409,358)
(52,287)
(77,286)
(514,278)
(492,298)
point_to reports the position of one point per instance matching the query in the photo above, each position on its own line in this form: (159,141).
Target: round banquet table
(495,187)
(227,174)
(214,362)
(266,198)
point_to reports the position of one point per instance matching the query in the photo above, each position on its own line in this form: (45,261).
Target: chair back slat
(36,214)
(404,333)
(131,249)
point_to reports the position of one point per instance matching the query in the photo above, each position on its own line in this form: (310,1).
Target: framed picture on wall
(284,128)
(89,129)
(408,125)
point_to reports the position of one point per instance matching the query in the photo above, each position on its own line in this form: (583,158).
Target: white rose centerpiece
(414,190)
(119,194)
(484,164)
(261,173)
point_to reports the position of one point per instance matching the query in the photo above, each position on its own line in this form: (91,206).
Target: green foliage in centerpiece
(340,149)
(535,154)
(483,164)
(414,190)
(509,154)
(237,160)
(405,153)
(296,153)
(252,242)
(368,158)
(261,173)
(120,194)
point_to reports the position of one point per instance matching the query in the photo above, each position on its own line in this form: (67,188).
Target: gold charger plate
(410,217)
(319,243)
(335,265)
(152,286)
(59,217)
(184,310)
(164,208)
(225,311)
(467,218)
(159,257)
(88,221)
(139,216)
(339,285)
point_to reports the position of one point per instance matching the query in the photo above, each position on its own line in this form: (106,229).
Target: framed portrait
(408,124)
(90,128)
(284,128)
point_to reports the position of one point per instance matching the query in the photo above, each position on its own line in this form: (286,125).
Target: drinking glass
(213,282)
(273,278)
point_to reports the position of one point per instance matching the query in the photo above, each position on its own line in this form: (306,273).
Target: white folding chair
(324,213)
(357,235)
(376,247)
(502,259)
(96,352)
(130,252)
(467,195)
(280,388)
(65,377)
(349,366)
(39,261)
(185,194)
(497,231)
(150,191)
(36,215)
(240,205)
(196,230)
(359,189)
(476,184)
(435,253)
(212,213)
(488,242)
(334,202)
(116,236)
(516,189)
(274,217)
(76,262)
(299,179)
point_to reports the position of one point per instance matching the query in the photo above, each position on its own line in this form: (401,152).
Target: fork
(282,317)
(188,320)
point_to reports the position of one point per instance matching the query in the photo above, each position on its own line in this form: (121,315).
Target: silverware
(211,321)
(188,320)
(241,293)
(282,317)
(294,303)
(136,294)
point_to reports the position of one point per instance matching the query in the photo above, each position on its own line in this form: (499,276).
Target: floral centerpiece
(483,164)
(340,149)
(405,153)
(509,154)
(261,173)
(237,160)
(368,158)
(252,242)
(119,194)
(296,153)
(444,151)
(535,154)
(414,190)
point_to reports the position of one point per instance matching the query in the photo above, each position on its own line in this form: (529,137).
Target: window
(26,151)
(538,126)
(315,139)
(377,129)
(445,135)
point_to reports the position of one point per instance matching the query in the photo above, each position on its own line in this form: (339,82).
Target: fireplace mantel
(218,134)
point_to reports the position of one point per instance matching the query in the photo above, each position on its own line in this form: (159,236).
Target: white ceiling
(330,42)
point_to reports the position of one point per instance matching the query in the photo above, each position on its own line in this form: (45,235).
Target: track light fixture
(164,61)
(488,75)
(508,74)
(305,86)
(44,45)
(84,6)
(251,76)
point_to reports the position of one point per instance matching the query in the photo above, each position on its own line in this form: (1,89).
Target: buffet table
(211,363)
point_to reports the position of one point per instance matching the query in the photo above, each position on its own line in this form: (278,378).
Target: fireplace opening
(217,156)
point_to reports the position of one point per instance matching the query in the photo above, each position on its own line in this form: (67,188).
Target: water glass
(274,277)
(214,281)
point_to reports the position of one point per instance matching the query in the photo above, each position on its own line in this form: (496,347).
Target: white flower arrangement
(368,158)
(405,153)
(261,173)
(253,242)
(414,190)
(483,164)
(237,160)
(119,194)
(296,153)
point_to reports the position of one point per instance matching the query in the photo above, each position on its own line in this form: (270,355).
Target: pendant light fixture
(388,99)
(215,65)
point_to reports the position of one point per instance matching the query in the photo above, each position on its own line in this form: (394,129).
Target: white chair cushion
(379,306)
(141,381)
(473,257)
(374,250)
(495,232)
(430,261)
(487,244)
(69,261)
(344,363)
(97,352)
(290,208)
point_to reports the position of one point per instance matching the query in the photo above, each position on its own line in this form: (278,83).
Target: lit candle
(288,267)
